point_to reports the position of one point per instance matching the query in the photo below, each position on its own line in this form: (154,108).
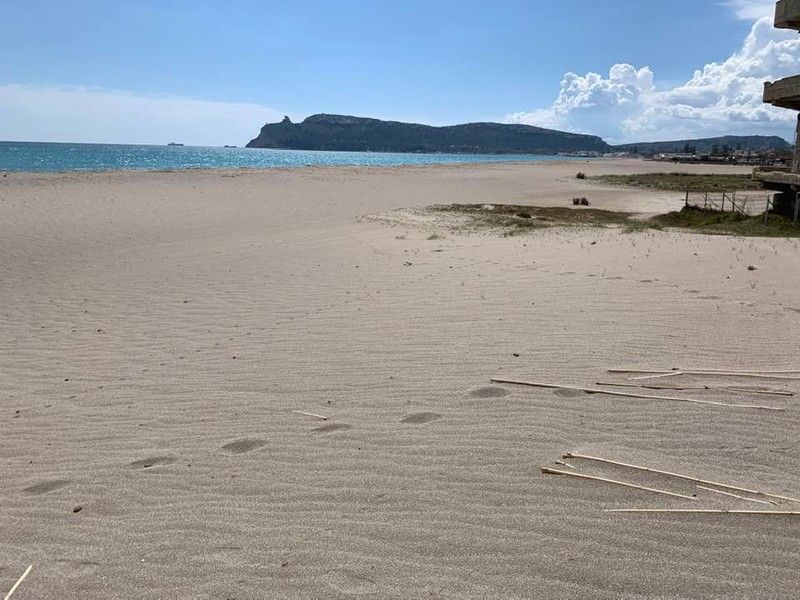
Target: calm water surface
(51,157)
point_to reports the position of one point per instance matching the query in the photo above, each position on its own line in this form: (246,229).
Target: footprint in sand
(331,427)
(421,418)
(568,393)
(489,392)
(47,486)
(153,461)
(244,445)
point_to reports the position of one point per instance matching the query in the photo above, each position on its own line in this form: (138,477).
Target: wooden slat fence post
(766,210)
(796,208)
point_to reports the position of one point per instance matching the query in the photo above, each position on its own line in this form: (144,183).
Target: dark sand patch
(421,418)
(244,445)
(47,486)
(331,427)
(568,393)
(489,392)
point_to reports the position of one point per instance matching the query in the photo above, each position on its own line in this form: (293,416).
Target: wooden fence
(745,204)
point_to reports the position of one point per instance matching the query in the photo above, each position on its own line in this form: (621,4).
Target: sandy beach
(157,329)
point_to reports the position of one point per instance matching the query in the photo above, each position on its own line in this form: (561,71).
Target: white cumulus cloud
(721,98)
(89,114)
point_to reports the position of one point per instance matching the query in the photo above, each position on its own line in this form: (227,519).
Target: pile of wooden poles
(653,379)
(644,374)
(723,489)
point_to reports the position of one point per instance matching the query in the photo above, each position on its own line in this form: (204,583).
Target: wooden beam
(549,471)
(708,511)
(765,375)
(737,496)
(678,476)
(17,584)
(308,414)
(729,388)
(627,395)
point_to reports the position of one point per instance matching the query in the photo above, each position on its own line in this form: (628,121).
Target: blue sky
(213,72)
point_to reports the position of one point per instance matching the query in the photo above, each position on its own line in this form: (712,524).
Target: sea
(57,157)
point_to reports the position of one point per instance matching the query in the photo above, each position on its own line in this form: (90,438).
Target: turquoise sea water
(50,157)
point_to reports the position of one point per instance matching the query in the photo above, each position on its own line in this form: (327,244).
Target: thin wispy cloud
(751,10)
(90,114)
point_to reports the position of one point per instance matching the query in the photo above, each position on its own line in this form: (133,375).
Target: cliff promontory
(337,132)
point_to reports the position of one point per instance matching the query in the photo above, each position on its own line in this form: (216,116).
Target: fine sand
(158,329)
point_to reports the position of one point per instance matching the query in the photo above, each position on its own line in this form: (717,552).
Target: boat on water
(174,144)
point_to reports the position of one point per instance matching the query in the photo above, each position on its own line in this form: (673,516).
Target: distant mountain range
(338,132)
(751,143)
(346,133)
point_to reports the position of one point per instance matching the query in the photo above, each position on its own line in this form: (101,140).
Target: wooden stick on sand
(627,395)
(714,511)
(756,371)
(679,476)
(548,471)
(308,414)
(700,370)
(729,388)
(666,373)
(659,376)
(708,489)
(19,581)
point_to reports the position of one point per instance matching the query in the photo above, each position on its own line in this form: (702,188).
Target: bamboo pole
(758,371)
(729,388)
(549,471)
(19,581)
(563,464)
(659,376)
(308,414)
(627,395)
(708,489)
(715,511)
(678,476)
(783,375)
(750,375)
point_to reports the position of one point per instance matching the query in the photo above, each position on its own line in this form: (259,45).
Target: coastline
(247,169)
(63,157)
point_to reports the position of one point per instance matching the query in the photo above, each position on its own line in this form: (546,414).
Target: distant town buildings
(736,157)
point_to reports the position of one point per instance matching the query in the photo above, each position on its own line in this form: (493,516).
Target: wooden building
(785,93)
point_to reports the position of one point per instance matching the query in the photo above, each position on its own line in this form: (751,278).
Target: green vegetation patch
(516,218)
(511,219)
(681,182)
(726,223)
